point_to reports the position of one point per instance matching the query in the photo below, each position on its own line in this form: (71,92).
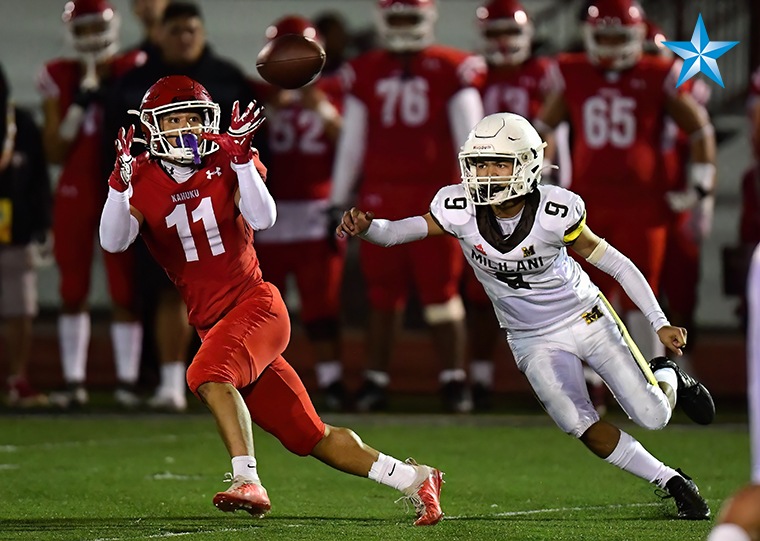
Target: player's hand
(354,222)
(701,219)
(122,170)
(673,338)
(237,141)
(334,219)
(684,200)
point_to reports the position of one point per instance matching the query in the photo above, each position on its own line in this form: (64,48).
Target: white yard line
(554,510)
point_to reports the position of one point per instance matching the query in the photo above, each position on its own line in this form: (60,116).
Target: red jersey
(617,121)
(521,90)
(409,142)
(196,233)
(297,136)
(59,80)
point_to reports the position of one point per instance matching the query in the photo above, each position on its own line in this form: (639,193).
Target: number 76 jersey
(531,280)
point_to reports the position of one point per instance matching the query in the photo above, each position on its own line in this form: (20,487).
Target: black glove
(334,217)
(84,98)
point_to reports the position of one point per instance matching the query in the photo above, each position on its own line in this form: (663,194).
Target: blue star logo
(700,54)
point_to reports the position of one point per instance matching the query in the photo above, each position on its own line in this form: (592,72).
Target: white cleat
(126,398)
(169,401)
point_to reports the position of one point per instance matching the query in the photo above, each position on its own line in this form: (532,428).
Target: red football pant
(76,215)
(433,266)
(318,270)
(244,349)
(680,273)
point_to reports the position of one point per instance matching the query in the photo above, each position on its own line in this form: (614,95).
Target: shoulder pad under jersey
(562,212)
(451,209)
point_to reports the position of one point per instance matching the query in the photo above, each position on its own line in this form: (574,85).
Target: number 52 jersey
(531,280)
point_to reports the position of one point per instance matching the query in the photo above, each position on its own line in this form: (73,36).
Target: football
(290,61)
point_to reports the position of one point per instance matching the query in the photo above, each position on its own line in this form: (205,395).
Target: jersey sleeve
(46,83)
(451,210)
(563,213)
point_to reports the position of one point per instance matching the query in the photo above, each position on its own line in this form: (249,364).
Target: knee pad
(446,312)
(200,372)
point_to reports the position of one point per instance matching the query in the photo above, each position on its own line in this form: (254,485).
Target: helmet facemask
(415,32)
(507,43)
(614,56)
(501,137)
(182,145)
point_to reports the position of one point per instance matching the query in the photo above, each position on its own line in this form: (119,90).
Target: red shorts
(318,270)
(643,244)
(243,342)
(76,216)
(680,273)
(433,266)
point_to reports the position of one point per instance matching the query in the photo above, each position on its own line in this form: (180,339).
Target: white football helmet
(406,37)
(502,137)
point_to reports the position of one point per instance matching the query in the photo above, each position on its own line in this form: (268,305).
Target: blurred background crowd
(77,320)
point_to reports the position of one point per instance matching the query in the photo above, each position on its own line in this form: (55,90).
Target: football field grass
(114,478)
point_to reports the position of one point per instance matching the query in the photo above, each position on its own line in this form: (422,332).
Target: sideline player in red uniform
(407,105)
(196,197)
(616,101)
(304,125)
(73,93)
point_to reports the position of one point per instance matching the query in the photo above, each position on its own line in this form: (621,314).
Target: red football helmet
(406,25)
(613,32)
(92,25)
(292,24)
(170,95)
(507,31)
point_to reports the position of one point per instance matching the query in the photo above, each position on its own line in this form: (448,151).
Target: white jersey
(531,280)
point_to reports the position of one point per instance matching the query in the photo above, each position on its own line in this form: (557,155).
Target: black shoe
(456,397)
(371,397)
(693,397)
(691,505)
(336,397)
(481,397)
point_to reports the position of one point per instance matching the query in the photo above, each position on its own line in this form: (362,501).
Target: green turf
(113,478)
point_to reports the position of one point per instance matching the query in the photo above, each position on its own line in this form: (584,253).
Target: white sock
(481,371)
(668,375)
(728,532)
(630,455)
(643,335)
(245,466)
(392,472)
(74,339)
(379,378)
(126,337)
(328,373)
(452,374)
(173,377)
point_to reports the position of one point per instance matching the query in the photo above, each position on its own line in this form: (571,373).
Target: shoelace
(228,477)
(416,501)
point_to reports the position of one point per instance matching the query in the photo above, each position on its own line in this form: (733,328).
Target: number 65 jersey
(531,280)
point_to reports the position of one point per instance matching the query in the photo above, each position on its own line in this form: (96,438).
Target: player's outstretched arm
(119,222)
(386,232)
(606,258)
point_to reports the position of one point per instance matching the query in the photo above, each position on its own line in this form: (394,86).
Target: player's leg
(739,518)
(319,277)
(126,327)
(18,307)
(437,265)
(551,363)
(482,334)
(648,403)
(74,226)
(386,274)
(280,405)
(233,355)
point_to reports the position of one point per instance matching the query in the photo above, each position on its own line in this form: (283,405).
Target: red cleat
(246,495)
(425,495)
